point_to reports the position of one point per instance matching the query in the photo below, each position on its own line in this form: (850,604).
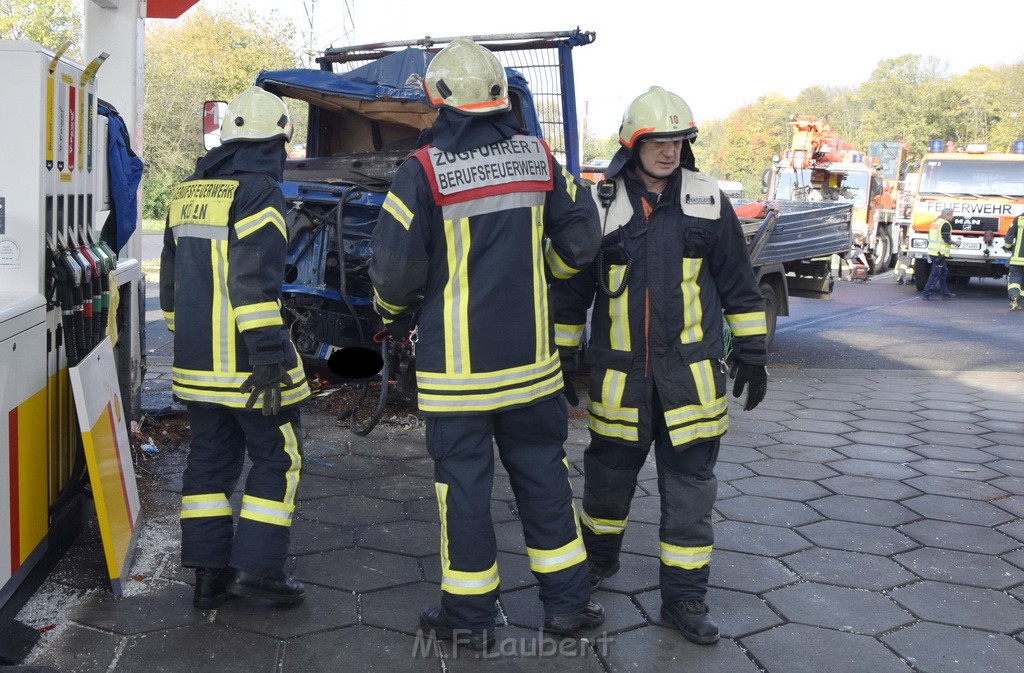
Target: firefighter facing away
(673,265)
(1013,243)
(475,221)
(235,366)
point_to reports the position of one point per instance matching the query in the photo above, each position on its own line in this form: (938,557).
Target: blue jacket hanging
(124,171)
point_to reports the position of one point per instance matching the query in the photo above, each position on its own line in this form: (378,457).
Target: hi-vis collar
(699,195)
(518,164)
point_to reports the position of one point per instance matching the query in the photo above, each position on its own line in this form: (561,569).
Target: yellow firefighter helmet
(255,115)
(656,114)
(467,78)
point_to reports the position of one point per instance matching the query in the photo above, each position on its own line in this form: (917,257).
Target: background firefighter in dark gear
(1013,243)
(476,219)
(235,366)
(673,258)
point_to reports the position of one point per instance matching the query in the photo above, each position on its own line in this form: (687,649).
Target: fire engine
(986,192)
(821,166)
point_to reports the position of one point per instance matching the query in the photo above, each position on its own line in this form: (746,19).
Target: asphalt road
(866,325)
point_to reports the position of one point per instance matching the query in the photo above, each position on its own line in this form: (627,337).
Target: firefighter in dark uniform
(235,366)
(475,222)
(1013,243)
(672,260)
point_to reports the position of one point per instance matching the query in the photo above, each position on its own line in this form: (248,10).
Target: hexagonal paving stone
(958,510)
(662,649)
(863,510)
(730,471)
(1014,485)
(840,608)
(1014,504)
(870,487)
(1015,557)
(857,537)
(948,649)
(1014,530)
(357,569)
(943,439)
(426,510)
(888,454)
(805,438)
(309,537)
(369,649)
(962,606)
(792,469)
(142,613)
(848,569)
(199,647)
(898,440)
(811,454)
(739,454)
(955,453)
(957,488)
(509,536)
(314,486)
(874,468)
(755,509)
(747,572)
(642,538)
(646,508)
(785,489)
(78,649)
(524,609)
(959,536)
(528,651)
(352,510)
(350,467)
(822,649)
(399,487)
(896,426)
(390,450)
(398,608)
(949,468)
(636,573)
(412,538)
(755,538)
(736,613)
(957,567)
(816,425)
(323,609)
(1005,444)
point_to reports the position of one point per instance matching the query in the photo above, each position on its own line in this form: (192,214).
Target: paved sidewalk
(866,522)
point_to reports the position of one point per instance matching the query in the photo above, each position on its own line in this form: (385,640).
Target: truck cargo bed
(802,230)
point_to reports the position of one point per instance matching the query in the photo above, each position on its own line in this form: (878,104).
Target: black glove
(754,375)
(568,358)
(399,328)
(266,381)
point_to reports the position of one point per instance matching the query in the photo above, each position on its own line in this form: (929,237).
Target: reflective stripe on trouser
(221,438)
(607,495)
(1014,280)
(529,443)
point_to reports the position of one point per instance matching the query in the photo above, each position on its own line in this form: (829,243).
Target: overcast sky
(717,54)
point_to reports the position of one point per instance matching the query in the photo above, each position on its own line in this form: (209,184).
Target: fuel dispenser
(57,280)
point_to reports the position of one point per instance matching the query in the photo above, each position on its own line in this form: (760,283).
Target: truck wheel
(881,253)
(922,267)
(771,308)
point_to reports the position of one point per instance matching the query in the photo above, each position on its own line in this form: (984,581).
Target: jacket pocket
(609,358)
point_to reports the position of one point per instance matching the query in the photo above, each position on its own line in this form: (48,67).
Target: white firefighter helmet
(255,115)
(656,114)
(467,78)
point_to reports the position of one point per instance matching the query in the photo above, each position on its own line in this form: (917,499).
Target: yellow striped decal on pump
(693,311)
(456,297)
(27,462)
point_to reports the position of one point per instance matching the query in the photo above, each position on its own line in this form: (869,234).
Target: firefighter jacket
(221,273)
(667,269)
(468,238)
(1013,242)
(939,238)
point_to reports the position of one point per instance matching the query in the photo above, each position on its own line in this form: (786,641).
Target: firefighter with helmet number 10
(673,260)
(476,220)
(235,366)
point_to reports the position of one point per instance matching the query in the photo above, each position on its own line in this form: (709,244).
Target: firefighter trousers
(529,441)
(221,439)
(687,487)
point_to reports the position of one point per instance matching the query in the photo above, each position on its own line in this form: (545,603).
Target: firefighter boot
(692,620)
(1014,304)
(591,615)
(276,589)
(211,587)
(434,620)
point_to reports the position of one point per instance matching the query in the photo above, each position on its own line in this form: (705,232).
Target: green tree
(203,56)
(51,23)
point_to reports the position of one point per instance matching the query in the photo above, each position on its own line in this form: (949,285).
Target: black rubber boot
(278,590)
(591,615)
(433,619)
(599,573)
(211,587)
(692,620)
